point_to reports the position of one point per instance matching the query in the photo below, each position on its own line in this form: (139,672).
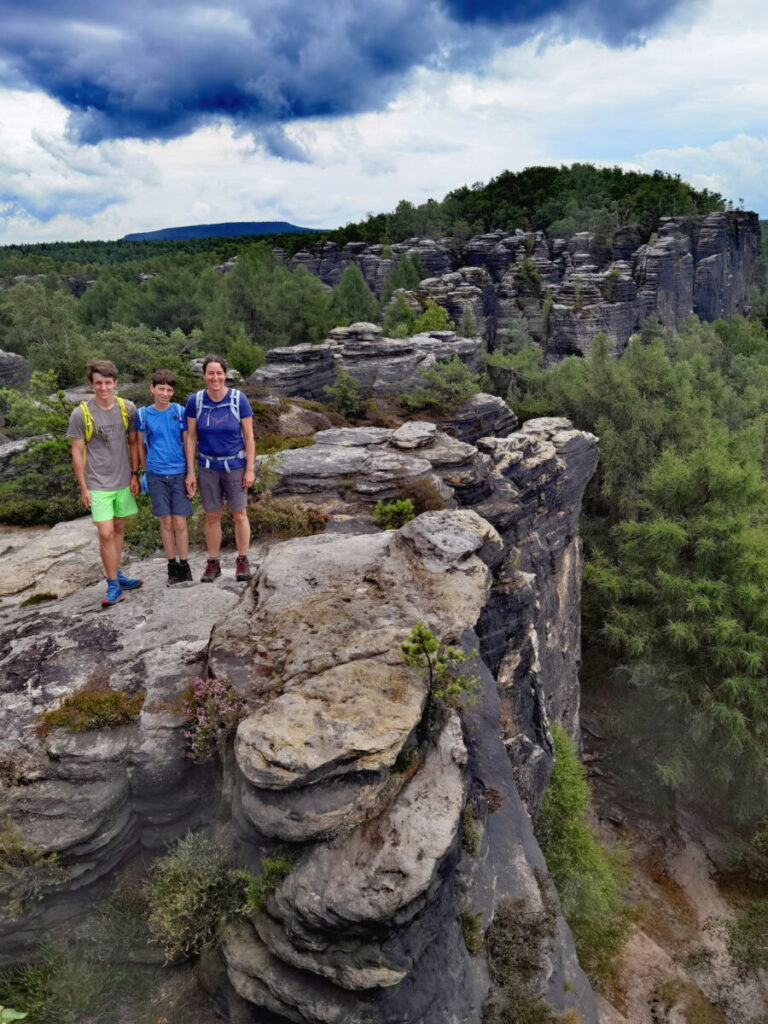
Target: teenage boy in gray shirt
(105,459)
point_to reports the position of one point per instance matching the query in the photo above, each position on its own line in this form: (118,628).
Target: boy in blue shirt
(161,452)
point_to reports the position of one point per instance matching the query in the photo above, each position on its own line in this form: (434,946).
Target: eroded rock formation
(343,757)
(564,291)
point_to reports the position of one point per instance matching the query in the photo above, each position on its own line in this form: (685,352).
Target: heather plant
(214,707)
(447,685)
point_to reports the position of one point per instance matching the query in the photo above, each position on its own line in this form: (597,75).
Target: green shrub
(42,491)
(747,938)
(588,878)
(267,444)
(142,531)
(273,870)
(472,932)
(344,394)
(470,834)
(92,708)
(24,871)
(394,514)
(434,318)
(65,986)
(189,891)
(447,686)
(448,384)
(269,517)
(528,276)
(40,598)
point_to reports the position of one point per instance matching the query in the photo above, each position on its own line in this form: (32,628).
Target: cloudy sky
(119,117)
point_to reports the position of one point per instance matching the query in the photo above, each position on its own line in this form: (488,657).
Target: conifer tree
(353,300)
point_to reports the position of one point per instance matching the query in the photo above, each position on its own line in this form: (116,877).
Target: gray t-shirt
(107,463)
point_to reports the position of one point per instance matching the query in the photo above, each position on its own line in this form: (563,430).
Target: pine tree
(353,300)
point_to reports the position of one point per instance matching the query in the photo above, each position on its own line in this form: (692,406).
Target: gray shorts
(217,484)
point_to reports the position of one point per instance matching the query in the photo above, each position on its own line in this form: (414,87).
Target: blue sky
(122,117)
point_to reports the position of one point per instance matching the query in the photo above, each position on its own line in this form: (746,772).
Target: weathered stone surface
(382,366)
(59,561)
(14,370)
(693,264)
(337,754)
(414,435)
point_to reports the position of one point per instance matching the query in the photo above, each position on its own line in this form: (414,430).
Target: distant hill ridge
(230,229)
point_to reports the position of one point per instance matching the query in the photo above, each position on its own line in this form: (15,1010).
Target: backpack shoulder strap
(199,403)
(87,422)
(234,403)
(141,416)
(123,413)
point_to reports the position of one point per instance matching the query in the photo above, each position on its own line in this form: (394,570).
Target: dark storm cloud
(157,71)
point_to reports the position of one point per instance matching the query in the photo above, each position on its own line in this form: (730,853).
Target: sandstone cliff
(564,291)
(367,927)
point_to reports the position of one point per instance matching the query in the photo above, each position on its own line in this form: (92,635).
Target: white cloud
(692,101)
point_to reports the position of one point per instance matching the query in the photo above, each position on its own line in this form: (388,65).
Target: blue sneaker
(113,594)
(126,583)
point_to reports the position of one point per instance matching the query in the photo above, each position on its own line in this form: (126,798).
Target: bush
(434,318)
(588,878)
(269,517)
(747,938)
(214,707)
(447,685)
(64,987)
(472,932)
(344,394)
(92,707)
(392,515)
(142,531)
(267,444)
(42,490)
(189,891)
(273,871)
(424,494)
(40,598)
(448,384)
(24,871)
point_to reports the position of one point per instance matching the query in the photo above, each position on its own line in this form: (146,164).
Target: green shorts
(106,505)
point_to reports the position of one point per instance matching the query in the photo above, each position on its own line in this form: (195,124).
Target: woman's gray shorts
(218,484)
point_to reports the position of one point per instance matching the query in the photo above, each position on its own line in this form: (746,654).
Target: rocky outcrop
(564,291)
(343,756)
(382,366)
(14,370)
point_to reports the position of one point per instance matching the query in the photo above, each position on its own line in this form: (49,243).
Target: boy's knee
(106,529)
(179,523)
(213,517)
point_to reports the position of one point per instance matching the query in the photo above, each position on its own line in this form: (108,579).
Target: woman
(220,432)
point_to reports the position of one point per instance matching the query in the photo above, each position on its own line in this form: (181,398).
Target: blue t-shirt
(219,434)
(163,439)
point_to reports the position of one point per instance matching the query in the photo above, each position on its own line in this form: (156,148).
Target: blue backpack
(178,415)
(234,409)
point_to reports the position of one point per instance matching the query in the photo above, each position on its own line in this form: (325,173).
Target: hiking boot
(212,571)
(113,595)
(242,568)
(185,572)
(173,572)
(126,583)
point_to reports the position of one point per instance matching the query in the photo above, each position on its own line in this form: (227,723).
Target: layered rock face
(343,758)
(382,366)
(564,291)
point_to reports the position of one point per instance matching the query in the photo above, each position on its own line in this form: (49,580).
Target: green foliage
(588,878)
(37,409)
(353,300)
(472,932)
(399,318)
(64,987)
(285,517)
(25,872)
(447,685)
(41,597)
(434,318)
(528,276)
(344,394)
(394,514)
(243,354)
(467,326)
(470,834)
(268,444)
(747,938)
(41,325)
(448,384)
(189,891)
(93,707)
(273,870)
(405,274)
(142,531)
(42,490)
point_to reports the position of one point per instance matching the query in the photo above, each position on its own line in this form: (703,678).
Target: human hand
(135,486)
(248,478)
(85,497)
(191,485)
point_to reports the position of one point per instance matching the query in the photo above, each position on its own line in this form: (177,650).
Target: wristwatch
(135,472)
